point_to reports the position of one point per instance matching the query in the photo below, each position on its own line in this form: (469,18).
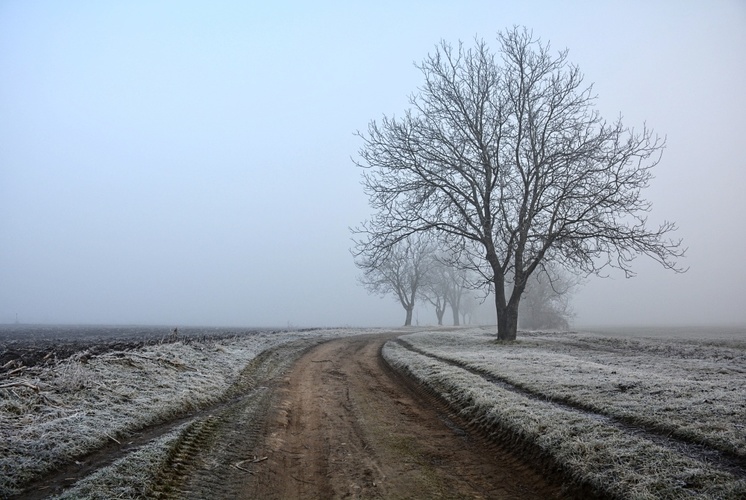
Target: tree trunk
(507,323)
(507,313)
(510,324)
(454,310)
(408,320)
(439,312)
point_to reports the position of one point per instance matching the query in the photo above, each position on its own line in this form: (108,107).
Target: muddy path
(345,425)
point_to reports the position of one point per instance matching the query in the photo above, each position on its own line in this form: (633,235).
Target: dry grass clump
(50,415)
(588,447)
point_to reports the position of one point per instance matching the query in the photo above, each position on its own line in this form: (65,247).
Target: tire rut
(735,465)
(235,419)
(210,460)
(347,425)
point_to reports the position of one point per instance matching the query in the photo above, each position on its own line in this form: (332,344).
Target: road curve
(343,424)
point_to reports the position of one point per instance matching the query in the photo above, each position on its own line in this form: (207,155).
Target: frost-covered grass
(694,391)
(50,415)
(128,477)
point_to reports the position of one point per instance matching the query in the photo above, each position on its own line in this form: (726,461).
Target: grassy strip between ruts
(129,477)
(611,376)
(53,414)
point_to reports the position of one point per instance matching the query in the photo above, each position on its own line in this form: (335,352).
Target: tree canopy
(504,157)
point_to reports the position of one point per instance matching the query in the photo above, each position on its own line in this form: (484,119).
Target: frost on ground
(49,415)
(591,404)
(128,477)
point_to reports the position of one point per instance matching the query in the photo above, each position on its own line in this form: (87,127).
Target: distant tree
(401,271)
(458,286)
(437,287)
(507,160)
(468,306)
(546,301)
(447,283)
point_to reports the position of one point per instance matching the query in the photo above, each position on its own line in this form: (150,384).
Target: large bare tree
(505,158)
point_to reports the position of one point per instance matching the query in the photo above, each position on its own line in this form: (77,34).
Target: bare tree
(401,270)
(508,161)
(458,284)
(467,308)
(437,288)
(447,283)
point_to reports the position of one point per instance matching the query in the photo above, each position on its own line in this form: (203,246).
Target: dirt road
(312,420)
(344,425)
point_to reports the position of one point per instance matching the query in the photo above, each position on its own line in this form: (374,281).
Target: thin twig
(113,439)
(20,383)
(15,370)
(242,468)
(301,480)
(10,363)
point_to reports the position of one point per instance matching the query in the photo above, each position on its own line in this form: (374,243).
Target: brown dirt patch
(346,426)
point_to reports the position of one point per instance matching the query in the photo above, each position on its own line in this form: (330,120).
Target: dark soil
(30,345)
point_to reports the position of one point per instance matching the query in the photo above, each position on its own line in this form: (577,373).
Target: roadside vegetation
(131,476)
(629,418)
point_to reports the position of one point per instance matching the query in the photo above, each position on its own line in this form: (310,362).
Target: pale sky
(190,163)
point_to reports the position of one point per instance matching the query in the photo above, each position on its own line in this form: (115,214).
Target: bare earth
(344,425)
(312,419)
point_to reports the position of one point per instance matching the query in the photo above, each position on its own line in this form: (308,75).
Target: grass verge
(512,390)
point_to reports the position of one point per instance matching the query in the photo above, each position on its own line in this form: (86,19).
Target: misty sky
(189,163)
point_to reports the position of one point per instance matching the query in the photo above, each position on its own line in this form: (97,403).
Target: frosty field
(624,416)
(631,417)
(57,410)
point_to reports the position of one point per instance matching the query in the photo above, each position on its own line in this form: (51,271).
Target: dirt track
(344,425)
(321,420)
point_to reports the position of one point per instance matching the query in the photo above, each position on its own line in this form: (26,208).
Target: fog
(188,163)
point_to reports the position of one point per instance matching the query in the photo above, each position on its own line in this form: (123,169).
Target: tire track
(730,463)
(245,398)
(346,425)
(209,461)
